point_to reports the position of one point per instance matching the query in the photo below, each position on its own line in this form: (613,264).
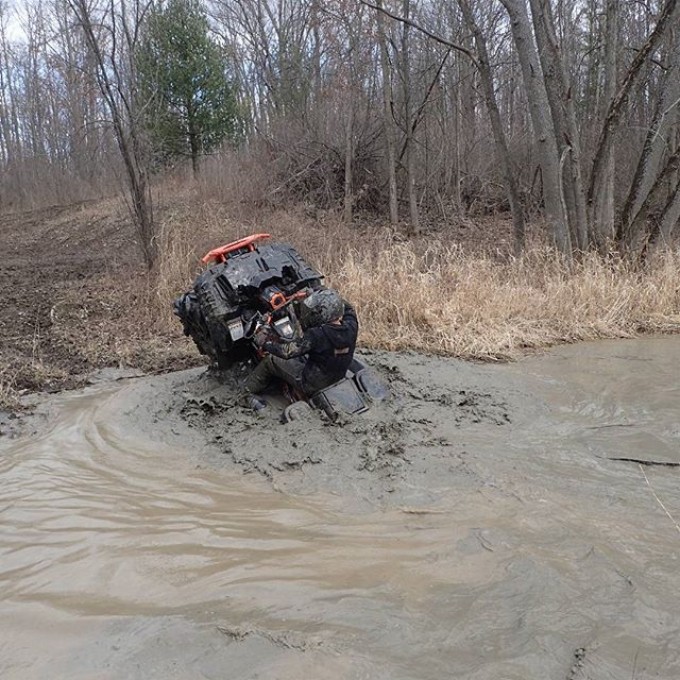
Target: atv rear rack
(222,253)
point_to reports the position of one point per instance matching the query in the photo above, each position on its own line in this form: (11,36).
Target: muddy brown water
(478,526)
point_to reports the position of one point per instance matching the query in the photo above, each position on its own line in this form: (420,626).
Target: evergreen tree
(188,101)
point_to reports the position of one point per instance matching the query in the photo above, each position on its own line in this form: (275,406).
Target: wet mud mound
(406,449)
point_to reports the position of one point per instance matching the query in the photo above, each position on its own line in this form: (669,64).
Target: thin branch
(617,104)
(421,109)
(424,31)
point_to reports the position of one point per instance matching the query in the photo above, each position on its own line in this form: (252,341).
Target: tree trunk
(563,114)
(7,142)
(543,129)
(656,144)
(671,216)
(602,203)
(194,143)
(500,140)
(601,176)
(414,227)
(388,121)
(669,221)
(349,156)
(638,241)
(119,99)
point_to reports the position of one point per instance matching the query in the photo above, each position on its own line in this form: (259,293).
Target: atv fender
(352,394)
(341,397)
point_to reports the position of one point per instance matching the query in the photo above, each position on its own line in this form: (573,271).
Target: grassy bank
(456,292)
(431,294)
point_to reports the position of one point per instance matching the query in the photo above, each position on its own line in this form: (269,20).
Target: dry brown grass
(20,378)
(9,397)
(447,302)
(433,295)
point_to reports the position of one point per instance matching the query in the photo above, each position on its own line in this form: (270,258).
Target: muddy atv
(251,286)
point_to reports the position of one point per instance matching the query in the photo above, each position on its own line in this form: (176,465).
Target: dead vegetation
(9,399)
(433,294)
(29,376)
(455,291)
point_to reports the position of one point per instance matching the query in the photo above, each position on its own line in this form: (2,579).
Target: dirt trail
(51,262)
(75,299)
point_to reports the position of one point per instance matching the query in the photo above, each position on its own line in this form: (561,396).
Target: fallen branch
(640,461)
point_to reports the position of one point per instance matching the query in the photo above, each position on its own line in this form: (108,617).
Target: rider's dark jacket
(329,349)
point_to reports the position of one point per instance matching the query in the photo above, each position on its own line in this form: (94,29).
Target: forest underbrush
(454,290)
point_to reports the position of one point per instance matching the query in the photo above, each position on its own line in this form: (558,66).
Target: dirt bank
(76,299)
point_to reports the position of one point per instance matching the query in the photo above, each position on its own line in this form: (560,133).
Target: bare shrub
(244,180)
(36,183)
(9,397)
(20,377)
(292,165)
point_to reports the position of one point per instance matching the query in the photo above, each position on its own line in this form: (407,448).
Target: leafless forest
(563,112)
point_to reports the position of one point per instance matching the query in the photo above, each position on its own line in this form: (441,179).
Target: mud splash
(490,522)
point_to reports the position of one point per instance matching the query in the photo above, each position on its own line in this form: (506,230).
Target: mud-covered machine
(250,286)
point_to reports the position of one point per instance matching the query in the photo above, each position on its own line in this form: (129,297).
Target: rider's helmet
(322,306)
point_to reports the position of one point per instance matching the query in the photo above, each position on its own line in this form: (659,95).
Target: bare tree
(111,32)
(601,174)
(567,137)
(502,151)
(658,141)
(388,120)
(405,72)
(544,130)
(9,138)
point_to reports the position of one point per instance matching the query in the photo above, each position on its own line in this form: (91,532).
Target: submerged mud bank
(490,521)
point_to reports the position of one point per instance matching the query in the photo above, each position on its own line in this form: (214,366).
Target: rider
(318,356)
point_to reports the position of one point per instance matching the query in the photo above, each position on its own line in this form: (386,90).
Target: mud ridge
(408,442)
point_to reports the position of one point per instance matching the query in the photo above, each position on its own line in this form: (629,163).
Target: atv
(252,287)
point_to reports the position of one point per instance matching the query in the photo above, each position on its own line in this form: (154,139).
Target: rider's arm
(350,315)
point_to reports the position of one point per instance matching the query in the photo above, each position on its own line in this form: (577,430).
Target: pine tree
(189,103)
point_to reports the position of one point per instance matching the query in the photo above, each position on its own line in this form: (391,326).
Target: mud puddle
(510,521)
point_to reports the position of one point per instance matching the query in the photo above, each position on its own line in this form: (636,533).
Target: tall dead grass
(9,398)
(435,296)
(448,302)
